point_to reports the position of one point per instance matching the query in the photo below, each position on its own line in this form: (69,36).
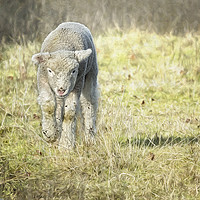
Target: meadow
(148,124)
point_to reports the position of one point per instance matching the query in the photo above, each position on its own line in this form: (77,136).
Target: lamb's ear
(40,57)
(83,54)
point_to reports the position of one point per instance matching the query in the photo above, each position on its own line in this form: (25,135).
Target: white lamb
(67,78)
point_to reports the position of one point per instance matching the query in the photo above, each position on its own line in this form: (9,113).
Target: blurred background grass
(29,19)
(148,121)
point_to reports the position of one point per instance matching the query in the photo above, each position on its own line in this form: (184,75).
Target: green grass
(148,124)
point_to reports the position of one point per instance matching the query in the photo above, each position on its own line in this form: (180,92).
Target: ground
(148,124)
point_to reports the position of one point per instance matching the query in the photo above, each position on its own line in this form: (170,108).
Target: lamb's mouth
(61,93)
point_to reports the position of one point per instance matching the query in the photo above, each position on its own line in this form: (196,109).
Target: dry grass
(148,124)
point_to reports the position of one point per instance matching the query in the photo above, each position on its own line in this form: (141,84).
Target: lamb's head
(61,68)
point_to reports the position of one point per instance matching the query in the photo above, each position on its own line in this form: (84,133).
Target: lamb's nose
(61,91)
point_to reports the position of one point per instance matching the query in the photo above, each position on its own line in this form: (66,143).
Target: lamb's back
(68,36)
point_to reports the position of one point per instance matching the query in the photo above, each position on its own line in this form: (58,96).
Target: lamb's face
(62,74)
(61,69)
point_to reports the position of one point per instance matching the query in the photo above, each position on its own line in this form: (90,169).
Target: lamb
(66,80)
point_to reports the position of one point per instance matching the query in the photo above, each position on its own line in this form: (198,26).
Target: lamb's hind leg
(89,104)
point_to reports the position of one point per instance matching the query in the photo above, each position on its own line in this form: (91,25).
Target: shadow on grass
(161,141)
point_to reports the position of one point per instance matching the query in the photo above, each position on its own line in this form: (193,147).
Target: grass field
(148,124)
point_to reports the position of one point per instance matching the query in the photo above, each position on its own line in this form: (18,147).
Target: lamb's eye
(51,73)
(73,71)
(49,70)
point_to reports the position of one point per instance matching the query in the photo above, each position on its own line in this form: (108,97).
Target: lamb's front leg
(59,114)
(47,104)
(67,139)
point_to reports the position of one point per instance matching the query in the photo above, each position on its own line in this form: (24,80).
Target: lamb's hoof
(66,147)
(90,138)
(49,136)
(90,141)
